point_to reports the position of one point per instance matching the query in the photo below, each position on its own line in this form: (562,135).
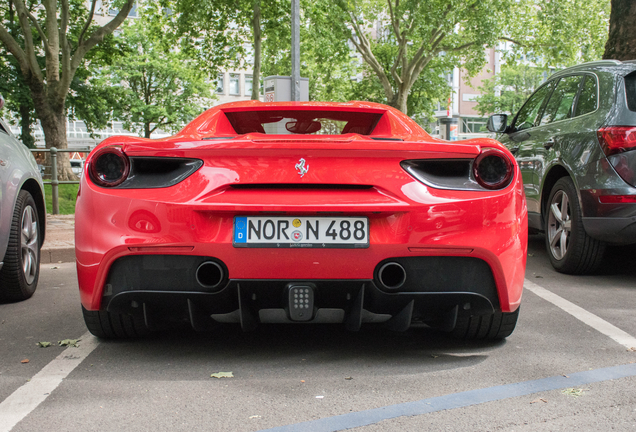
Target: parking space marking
(26,398)
(458,400)
(597,323)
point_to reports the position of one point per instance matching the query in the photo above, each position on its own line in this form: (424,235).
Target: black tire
(21,270)
(573,251)
(498,325)
(108,325)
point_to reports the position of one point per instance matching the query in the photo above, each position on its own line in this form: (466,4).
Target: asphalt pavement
(557,371)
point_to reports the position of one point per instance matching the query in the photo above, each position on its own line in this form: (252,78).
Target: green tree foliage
(50,45)
(154,85)
(84,100)
(509,89)
(559,33)
(229,33)
(422,34)
(325,57)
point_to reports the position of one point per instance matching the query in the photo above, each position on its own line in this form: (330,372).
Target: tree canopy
(509,89)
(153,85)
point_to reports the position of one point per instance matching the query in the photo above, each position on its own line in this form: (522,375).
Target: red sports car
(306,212)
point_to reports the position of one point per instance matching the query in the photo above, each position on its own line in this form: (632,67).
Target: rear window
(630,90)
(587,98)
(306,122)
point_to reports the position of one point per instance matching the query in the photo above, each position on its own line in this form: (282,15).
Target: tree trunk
(621,44)
(399,99)
(147,130)
(25,124)
(256,28)
(53,121)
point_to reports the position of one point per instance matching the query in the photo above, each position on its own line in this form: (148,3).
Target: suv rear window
(307,122)
(630,90)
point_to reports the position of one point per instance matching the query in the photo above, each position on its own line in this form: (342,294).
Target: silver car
(22,218)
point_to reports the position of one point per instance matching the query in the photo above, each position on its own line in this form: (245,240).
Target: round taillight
(109,167)
(492,169)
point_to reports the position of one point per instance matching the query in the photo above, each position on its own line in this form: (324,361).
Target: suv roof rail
(595,63)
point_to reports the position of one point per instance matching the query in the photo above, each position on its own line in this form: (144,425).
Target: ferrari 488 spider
(305,212)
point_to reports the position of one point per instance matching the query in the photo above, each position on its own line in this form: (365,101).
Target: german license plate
(301,232)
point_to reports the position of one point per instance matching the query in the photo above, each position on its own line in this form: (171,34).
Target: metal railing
(54,182)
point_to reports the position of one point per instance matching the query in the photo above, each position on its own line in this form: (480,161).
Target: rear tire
(21,270)
(569,247)
(498,325)
(106,325)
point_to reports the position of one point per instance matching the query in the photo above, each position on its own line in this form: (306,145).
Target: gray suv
(575,142)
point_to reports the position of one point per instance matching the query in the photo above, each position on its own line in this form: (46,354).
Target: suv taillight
(109,167)
(617,139)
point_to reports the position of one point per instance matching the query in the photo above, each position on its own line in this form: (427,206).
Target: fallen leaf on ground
(302,381)
(54,268)
(222,375)
(25,361)
(530,254)
(319,397)
(348,378)
(68,342)
(255,416)
(539,400)
(43,344)
(539,277)
(632,349)
(573,392)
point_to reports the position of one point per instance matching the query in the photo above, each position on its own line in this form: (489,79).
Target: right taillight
(492,169)
(109,166)
(617,139)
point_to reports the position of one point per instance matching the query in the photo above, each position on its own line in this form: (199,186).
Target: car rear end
(257,228)
(609,193)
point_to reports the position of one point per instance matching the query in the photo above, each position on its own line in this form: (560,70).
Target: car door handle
(549,143)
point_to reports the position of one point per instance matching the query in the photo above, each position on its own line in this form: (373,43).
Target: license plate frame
(316,232)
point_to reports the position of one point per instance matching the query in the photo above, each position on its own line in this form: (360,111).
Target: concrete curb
(56,255)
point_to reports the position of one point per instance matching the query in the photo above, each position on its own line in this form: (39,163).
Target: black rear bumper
(436,291)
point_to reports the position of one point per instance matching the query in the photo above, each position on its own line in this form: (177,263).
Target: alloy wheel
(29,244)
(559,224)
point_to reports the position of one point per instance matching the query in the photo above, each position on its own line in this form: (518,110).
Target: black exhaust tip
(210,274)
(392,276)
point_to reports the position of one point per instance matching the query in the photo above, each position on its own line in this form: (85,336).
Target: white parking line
(25,399)
(599,324)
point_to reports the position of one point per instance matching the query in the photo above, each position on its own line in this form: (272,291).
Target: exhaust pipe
(210,274)
(392,275)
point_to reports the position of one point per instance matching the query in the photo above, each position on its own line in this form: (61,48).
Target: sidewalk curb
(55,255)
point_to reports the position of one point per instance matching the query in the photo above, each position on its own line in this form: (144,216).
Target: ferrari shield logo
(301,167)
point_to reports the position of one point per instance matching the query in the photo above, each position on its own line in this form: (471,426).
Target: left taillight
(617,139)
(109,166)
(492,169)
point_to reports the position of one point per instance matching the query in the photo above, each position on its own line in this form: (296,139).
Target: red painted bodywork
(407,218)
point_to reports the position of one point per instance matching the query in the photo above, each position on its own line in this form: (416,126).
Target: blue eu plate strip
(240,229)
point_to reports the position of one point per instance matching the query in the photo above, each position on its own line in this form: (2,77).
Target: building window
(220,84)
(248,85)
(234,85)
(473,125)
